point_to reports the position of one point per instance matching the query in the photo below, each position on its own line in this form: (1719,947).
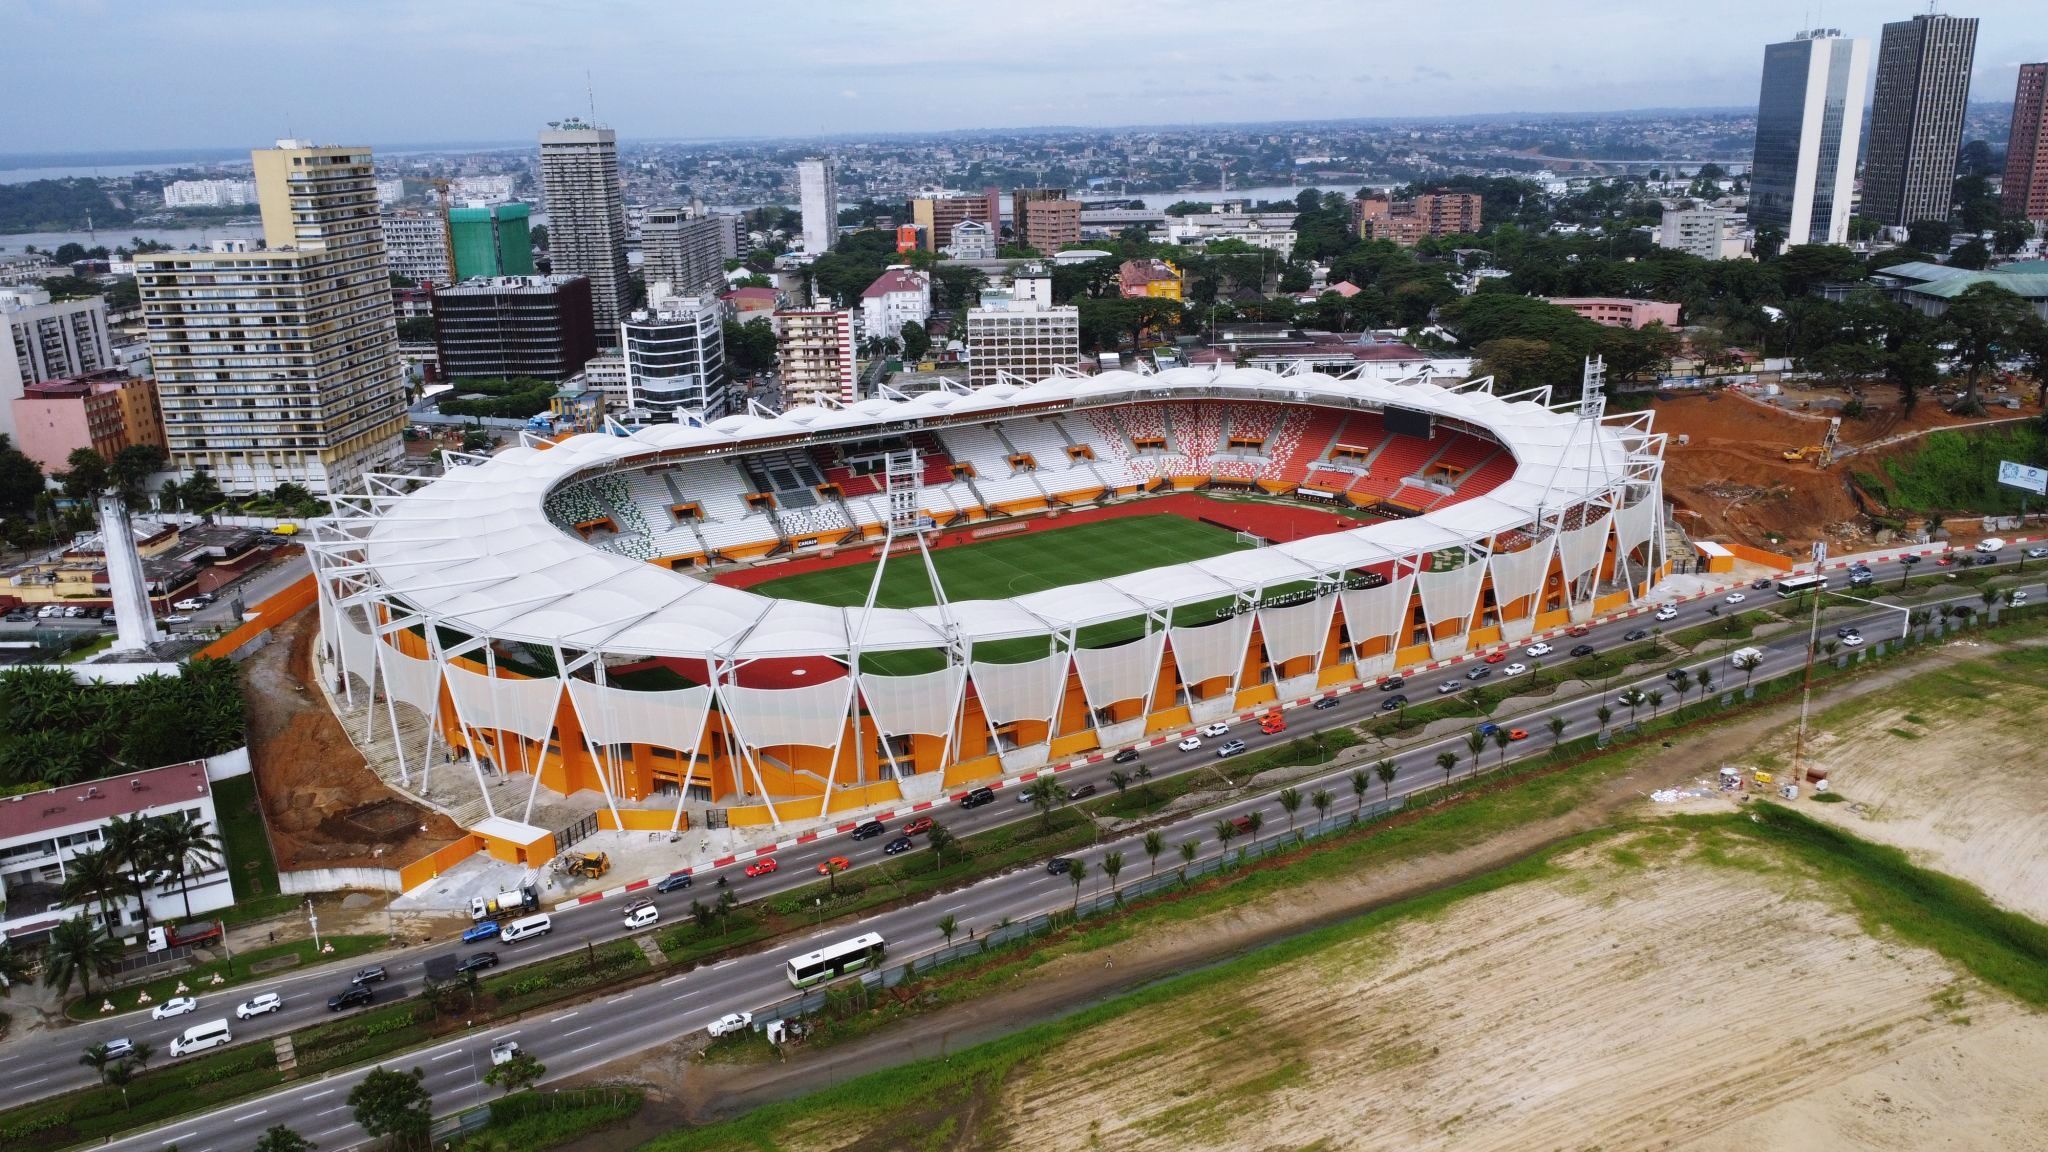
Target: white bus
(836,960)
(1792,586)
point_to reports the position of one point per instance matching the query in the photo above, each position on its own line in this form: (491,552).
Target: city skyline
(841,79)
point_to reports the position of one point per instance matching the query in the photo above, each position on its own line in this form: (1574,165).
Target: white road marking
(586,1047)
(620,999)
(317,1095)
(446,1055)
(563,1016)
(722,964)
(579,1031)
(332,1131)
(331,1111)
(252,1115)
(184,1136)
(26,1083)
(674,980)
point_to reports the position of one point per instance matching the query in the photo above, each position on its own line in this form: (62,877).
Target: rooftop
(508,285)
(894,280)
(95,801)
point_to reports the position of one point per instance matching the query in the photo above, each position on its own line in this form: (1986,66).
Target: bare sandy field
(1635,998)
(1949,768)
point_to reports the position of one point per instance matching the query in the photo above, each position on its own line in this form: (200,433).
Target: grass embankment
(1481,697)
(532,1120)
(1149,796)
(250,864)
(245,968)
(1737,627)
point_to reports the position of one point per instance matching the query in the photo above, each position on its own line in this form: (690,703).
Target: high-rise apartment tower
(818,195)
(1916,118)
(579,174)
(1809,123)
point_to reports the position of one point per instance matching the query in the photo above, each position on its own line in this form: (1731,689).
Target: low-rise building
(1018,331)
(1928,288)
(105,411)
(1621,312)
(972,240)
(416,245)
(507,326)
(1149,278)
(899,296)
(674,353)
(939,214)
(1407,221)
(48,339)
(1044,219)
(1708,231)
(744,304)
(815,352)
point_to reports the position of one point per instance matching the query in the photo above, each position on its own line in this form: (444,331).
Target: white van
(520,929)
(1742,656)
(641,914)
(200,1037)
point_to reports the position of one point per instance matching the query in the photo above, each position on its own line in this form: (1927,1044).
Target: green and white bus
(836,960)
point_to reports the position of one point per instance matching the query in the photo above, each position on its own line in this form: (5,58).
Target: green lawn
(241,826)
(1017,564)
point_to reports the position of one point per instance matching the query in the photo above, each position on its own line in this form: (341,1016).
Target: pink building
(1619,312)
(105,411)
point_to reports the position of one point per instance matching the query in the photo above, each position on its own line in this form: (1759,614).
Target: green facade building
(491,241)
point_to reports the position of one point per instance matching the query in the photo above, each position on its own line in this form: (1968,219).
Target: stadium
(778,618)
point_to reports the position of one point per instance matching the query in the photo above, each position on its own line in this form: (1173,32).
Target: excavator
(1822,454)
(587,865)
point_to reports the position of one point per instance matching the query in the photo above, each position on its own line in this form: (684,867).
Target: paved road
(579,1038)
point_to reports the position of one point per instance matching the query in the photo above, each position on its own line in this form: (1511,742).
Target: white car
(1538,649)
(1448,687)
(1853,640)
(1515,669)
(503,1051)
(1667,613)
(1215,729)
(176,620)
(258,1005)
(2016,598)
(175,1006)
(1733,598)
(189,605)
(1990,544)
(1189,744)
(2037,552)
(641,914)
(729,1023)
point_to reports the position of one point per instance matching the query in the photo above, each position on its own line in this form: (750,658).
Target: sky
(85,75)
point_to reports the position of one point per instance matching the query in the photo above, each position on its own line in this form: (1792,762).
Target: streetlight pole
(313,919)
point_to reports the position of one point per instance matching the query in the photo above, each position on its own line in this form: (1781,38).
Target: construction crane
(440,185)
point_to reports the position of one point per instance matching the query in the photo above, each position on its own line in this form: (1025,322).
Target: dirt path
(311,779)
(682,1091)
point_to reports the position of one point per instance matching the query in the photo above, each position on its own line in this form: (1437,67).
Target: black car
(978,797)
(1846,631)
(1987,558)
(1393,702)
(1326,702)
(1391,683)
(1675,673)
(1584,650)
(870,830)
(1909,561)
(374,974)
(1058,866)
(1081,792)
(1480,673)
(1759,584)
(354,995)
(674,881)
(1635,634)
(896,847)
(477,962)
(1125,756)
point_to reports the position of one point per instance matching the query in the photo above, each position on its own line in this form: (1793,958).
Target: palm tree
(1360,785)
(1635,699)
(1189,848)
(1386,770)
(15,968)
(185,847)
(1255,820)
(129,841)
(1226,831)
(939,840)
(947,926)
(78,951)
(1077,871)
(1606,715)
(99,1060)
(1447,761)
(1656,702)
(1747,664)
(1990,595)
(1501,738)
(1706,678)
(1322,801)
(1476,741)
(1155,843)
(1112,864)
(832,868)
(1683,682)
(1045,794)
(94,877)
(1556,732)
(1290,801)
(120,1076)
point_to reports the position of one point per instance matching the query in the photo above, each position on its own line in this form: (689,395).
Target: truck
(183,935)
(517,902)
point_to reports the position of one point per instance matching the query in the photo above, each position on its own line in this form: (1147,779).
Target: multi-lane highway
(596,1032)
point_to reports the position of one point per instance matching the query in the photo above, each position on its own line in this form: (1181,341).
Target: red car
(921,824)
(827,867)
(1518,733)
(1579,630)
(1496,657)
(762,867)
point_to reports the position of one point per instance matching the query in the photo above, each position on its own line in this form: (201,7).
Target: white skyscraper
(818,189)
(1809,129)
(579,173)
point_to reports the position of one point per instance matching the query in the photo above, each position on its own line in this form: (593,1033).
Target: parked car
(1189,743)
(353,996)
(478,961)
(1230,749)
(258,1005)
(833,864)
(1215,729)
(488,930)
(1125,756)
(175,1006)
(1538,649)
(1392,703)
(1325,702)
(918,826)
(1584,650)
(869,830)
(189,605)
(374,974)
(674,881)
(729,1023)
(896,847)
(762,867)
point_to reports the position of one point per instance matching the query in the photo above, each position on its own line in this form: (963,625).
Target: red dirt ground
(1278,522)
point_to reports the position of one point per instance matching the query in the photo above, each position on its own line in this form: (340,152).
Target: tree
(1705,676)
(749,347)
(1475,741)
(1046,794)
(1447,761)
(20,480)
(94,876)
(916,341)
(1077,871)
(940,840)
(1634,699)
(1155,843)
(1606,716)
(1189,848)
(128,840)
(1322,801)
(727,902)
(1747,664)
(1929,235)
(99,1060)
(1656,702)
(947,926)
(832,867)
(85,475)
(1981,320)
(1255,820)
(76,952)
(1226,831)
(1112,865)
(278,1138)
(1682,681)
(1501,739)
(120,1076)
(1119,780)
(394,1106)
(15,968)
(1290,802)
(183,846)
(130,469)
(1557,725)
(1386,770)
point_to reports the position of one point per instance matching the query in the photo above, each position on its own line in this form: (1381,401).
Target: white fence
(307,881)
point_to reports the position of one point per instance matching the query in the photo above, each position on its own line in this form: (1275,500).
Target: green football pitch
(1017,564)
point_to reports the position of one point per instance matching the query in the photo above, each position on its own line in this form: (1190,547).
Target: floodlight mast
(903,477)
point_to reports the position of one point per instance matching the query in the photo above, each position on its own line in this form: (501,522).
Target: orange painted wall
(427,867)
